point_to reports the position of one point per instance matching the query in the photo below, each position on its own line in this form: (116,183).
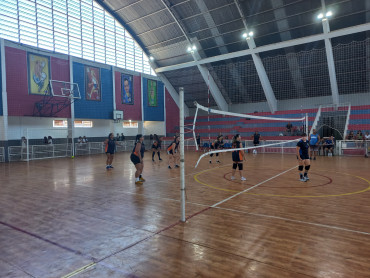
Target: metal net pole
(182,154)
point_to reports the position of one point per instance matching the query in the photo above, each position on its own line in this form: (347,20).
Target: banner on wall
(38,74)
(92,84)
(127,89)
(152,92)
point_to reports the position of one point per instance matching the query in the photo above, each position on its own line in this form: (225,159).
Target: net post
(182,155)
(72,127)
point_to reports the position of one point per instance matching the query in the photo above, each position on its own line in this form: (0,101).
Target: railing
(2,154)
(353,147)
(17,153)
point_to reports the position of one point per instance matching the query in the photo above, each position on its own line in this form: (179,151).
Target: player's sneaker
(232,178)
(210,162)
(254,151)
(177,166)
(169,167)
(306,178)
(153,159)
(302,179)
(218,161)
(107,167)
(142,179)
(243,179)
(160,159)
(138,182)
(110,166)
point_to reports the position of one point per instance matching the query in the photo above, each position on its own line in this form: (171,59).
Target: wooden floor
(72,218)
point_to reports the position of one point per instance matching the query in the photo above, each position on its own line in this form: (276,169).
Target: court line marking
(248,189)
(287,196)
(78,271)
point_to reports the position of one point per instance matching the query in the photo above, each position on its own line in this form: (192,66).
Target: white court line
(298,221)
(248,189)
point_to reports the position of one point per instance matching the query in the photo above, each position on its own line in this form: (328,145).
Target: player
(215,146)
(137,156)
(171,151)
(110,149)
(156,147)
(256,140)
(238,157)
(314,140)
(303,157)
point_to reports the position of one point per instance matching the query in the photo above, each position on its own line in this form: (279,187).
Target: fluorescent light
(329,13)
(320,16)
(245,35)
(194,47)
(151,58)
(251,34)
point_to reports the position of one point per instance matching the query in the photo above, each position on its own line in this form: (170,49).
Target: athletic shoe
(232,178)
(306,178)
(138,182)
(160,159)
(107,167)
(254,152)
(218,161)
(110,166)
(177,166)
(169,167)
(153,159)
(302,179)
(243,179)
(142,179)
(210,162)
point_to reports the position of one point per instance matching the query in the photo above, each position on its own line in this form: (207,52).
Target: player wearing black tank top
(137,156)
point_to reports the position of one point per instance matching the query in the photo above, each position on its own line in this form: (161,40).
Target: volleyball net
(277,133)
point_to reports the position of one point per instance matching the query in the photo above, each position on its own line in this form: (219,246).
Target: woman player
(217,144)
(172,152)
(156,147)
(110,149)
(137,156)
(303,157)
(238,157)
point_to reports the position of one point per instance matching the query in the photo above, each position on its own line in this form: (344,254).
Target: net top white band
(247,116)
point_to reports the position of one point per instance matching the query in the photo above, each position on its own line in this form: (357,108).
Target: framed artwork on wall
(92,84)
(127,88)
(38,74)
(152,93)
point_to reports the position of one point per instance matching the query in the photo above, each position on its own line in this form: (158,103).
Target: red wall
(20,103)
(172,114)
(130,112)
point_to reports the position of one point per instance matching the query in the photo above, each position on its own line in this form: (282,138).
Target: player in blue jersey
(303,157)
(314,140)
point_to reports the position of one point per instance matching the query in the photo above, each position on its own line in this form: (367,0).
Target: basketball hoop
(117,116)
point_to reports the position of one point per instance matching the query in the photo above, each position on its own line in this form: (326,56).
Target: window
(81,28)
(130,124)
(64,123)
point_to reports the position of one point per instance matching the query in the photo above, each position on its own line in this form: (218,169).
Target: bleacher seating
(359,118)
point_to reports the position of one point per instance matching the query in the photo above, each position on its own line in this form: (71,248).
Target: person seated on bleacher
(122,137)
(329,146)
(50,140)
(84,140)
(359,137)
(289,127)
(367,136)
(45,140)
(350,136)
(79,141)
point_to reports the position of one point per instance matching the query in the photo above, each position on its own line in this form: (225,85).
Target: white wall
(151,127)
(39,127)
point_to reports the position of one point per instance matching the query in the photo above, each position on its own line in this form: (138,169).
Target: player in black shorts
(172,152)
(217,144)
(110,149)
(303,157)
(156,147)
(238,157)
(137,156)
(256,140)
